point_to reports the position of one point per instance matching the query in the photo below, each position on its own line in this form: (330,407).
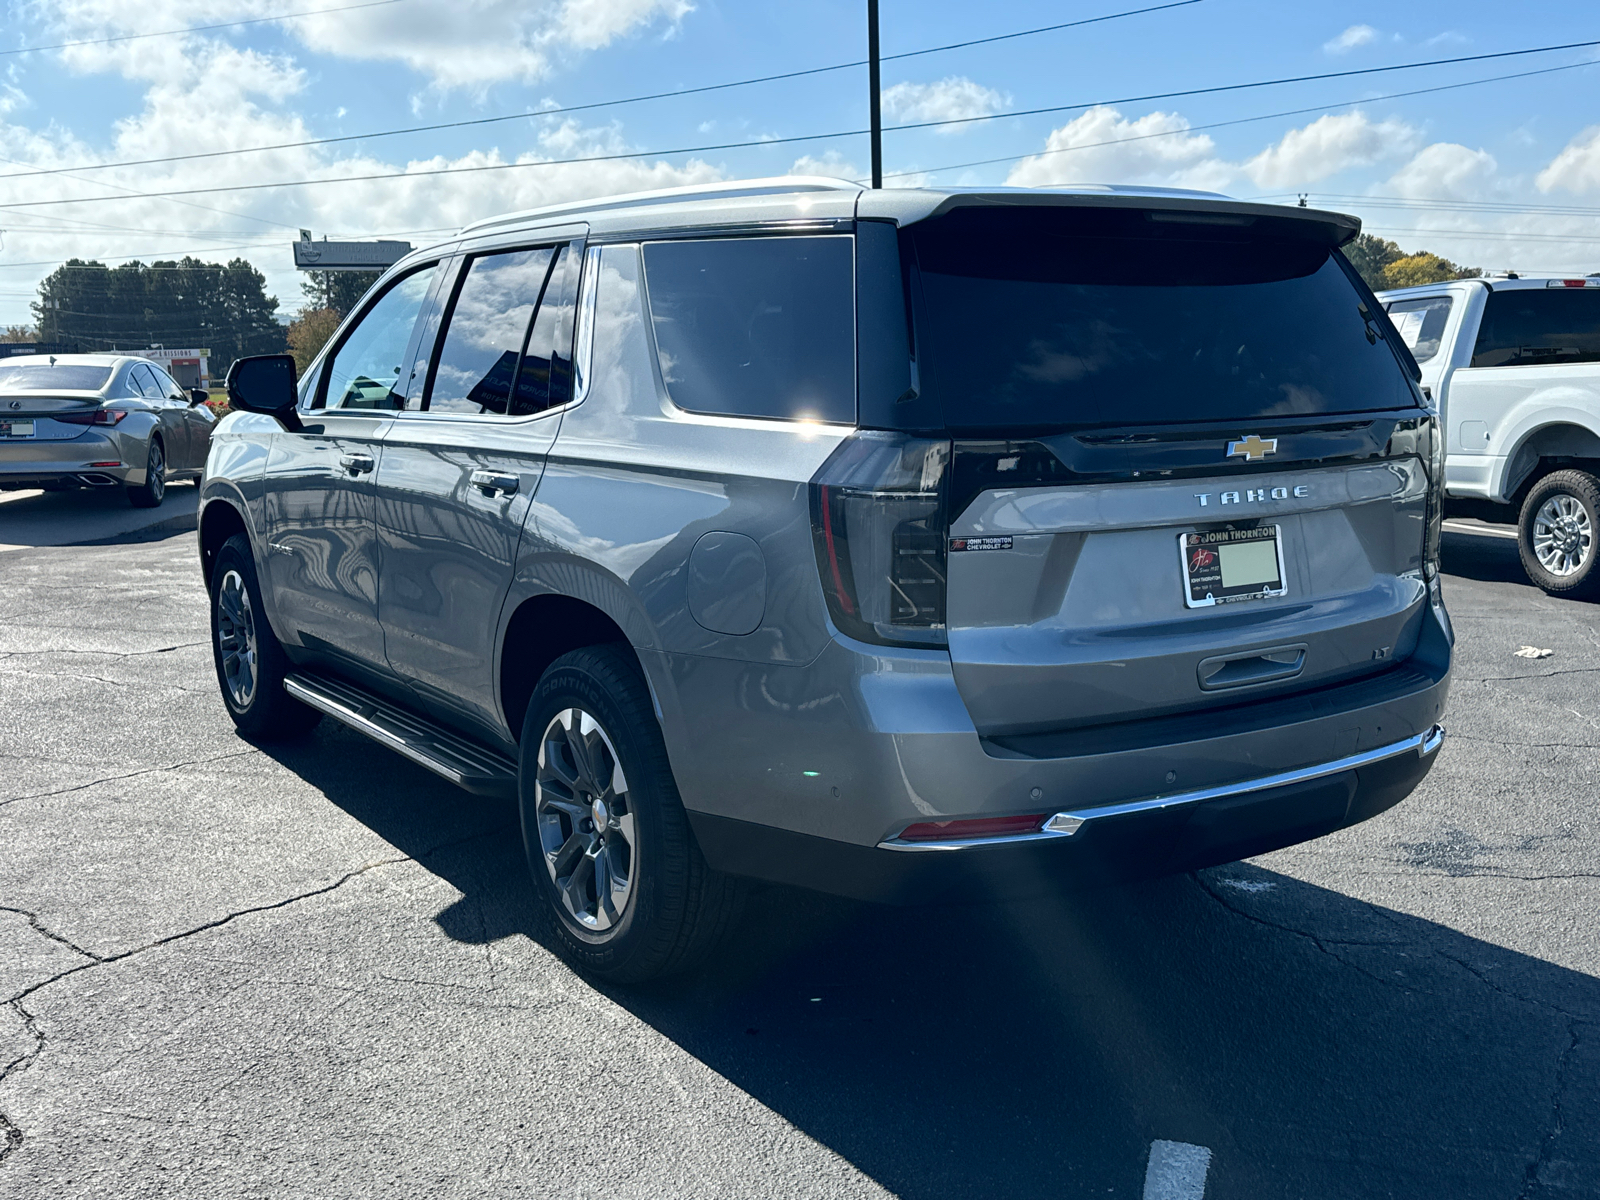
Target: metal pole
(872,98)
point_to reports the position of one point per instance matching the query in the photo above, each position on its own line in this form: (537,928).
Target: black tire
(1558,534)
(676,908)
(153,490)
(240,631)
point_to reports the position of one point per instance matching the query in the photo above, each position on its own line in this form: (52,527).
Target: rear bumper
(1116,843)
(27,464)
(808,775)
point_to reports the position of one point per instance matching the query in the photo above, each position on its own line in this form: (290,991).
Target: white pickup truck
(1514,365)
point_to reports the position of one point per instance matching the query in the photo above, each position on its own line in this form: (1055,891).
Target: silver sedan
(99,420)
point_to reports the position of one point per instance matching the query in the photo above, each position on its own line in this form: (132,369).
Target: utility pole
(872,98)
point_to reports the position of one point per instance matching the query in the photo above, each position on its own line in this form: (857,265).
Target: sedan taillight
(97,416)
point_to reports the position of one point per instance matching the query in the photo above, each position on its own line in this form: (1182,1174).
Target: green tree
(221,307)
(1416,269)
(1370,255)
(19,333)
(337,290)
(309,333)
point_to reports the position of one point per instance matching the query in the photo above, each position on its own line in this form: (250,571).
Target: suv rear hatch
(1182,464)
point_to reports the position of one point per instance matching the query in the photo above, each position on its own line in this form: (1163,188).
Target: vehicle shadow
(1317,1044)
(1482,556)
(93,517)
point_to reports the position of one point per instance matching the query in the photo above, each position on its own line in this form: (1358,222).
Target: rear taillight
(97,416)
(878,521)
(1434,432)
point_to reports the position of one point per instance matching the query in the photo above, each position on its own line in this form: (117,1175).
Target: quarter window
(1421,324)
(756,327)
(365,372)
(500,341)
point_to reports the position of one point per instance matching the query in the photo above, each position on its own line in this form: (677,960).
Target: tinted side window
(1535,328)
(545,378)
(756,327)
(168,385)
(130,383)
(365,371)
(144,379)
(1421,324)
(486,330)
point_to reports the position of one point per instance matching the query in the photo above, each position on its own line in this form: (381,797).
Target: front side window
(1531,328)
(756,327)
(365,372)
(1421,324)
(486,333)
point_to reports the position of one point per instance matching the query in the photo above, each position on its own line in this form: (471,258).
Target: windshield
(1056,318)
(42,377)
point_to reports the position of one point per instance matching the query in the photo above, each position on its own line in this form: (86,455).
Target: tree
(19,333)
(309,333)
(1416,269)
(1370,255)
(337,290)
(223,308)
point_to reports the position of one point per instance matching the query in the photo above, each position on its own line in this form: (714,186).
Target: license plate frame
(17,429)
(1202,575)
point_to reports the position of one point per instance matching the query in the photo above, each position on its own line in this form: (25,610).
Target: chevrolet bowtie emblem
(1252,448)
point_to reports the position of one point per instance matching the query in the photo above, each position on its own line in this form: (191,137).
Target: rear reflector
(979,827)
(112,463)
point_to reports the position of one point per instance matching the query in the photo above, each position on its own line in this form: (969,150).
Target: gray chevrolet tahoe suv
(893,543)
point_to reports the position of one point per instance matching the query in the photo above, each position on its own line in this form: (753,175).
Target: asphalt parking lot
(310,971)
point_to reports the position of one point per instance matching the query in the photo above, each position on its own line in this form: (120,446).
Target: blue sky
(1503,174)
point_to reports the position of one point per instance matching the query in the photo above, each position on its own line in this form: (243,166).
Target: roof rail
(774,186)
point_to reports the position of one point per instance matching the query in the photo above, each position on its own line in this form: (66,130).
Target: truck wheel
(627,895)
(250,661)
(153,490)
(1557,534)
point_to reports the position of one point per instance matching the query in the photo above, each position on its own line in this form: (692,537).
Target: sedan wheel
(154,489)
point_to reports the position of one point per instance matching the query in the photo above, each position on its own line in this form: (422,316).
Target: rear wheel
(627,895)
(1557,532)
(250,661)
(153,490)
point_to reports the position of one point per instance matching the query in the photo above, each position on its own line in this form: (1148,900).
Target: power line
(134,37)
(575,108)
(1292,112)
(814,137)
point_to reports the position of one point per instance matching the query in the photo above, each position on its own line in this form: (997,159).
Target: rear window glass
(42,377)
(756,327)
(1421,324)
(1533,328)
(1060,318)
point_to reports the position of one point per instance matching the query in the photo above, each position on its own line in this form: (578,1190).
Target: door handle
(357,464)
(493,481)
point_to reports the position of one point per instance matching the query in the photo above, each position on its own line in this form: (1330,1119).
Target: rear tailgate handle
(494,481)
(1251,666)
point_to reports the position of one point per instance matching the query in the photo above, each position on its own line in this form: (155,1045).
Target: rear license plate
(16,428)
(1222,566)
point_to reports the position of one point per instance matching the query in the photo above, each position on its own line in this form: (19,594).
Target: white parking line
(1498,531)
(1177,1171)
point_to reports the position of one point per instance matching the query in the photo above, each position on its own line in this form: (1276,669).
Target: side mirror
(198,396)
(265,383)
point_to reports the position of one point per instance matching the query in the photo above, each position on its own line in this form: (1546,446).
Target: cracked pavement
(314,970)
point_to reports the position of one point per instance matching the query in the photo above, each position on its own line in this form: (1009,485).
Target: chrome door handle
(494,481)
(357,464)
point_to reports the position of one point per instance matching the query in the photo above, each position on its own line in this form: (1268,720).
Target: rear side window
(1536,328)
(1421,324)
(1060,318)
(486,329)
(756,327)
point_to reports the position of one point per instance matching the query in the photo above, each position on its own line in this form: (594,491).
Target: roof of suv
(819,199)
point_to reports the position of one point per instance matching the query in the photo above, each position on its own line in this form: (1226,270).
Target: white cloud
(1102,147)
(1446,171)
(1328,145)
(954,99)
(1356,35)
(832,164)
(1577,167)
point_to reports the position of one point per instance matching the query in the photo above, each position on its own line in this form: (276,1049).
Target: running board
(467,764)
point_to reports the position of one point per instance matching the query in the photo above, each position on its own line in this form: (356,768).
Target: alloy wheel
(156,472)
(585,820)
(236,639)
(1562,535)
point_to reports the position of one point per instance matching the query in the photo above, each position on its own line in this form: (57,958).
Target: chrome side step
(1066,824)
(465,763)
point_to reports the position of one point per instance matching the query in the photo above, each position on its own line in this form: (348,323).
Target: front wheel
(1557,531)
(153,490)
(627,895)
(250,661)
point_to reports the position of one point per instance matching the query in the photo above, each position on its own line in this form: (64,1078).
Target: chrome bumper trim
(1066,824)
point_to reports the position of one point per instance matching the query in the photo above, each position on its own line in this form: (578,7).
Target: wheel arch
(1552,446)
(220,519)
(540,630)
